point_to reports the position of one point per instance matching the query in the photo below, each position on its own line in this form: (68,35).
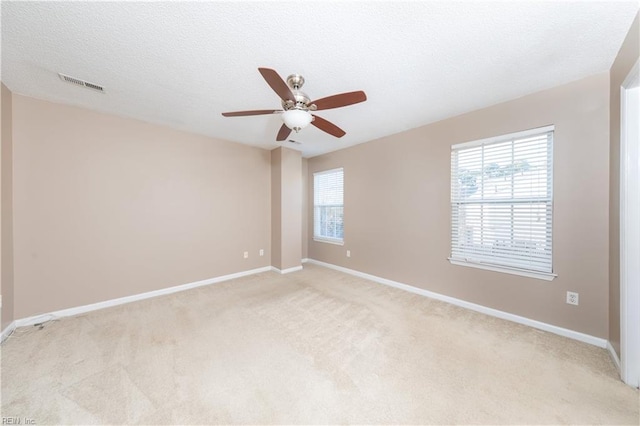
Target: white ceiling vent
(79,82)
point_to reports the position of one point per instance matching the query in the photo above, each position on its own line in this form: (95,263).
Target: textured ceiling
(182,64)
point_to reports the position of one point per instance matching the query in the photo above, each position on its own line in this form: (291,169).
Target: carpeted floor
(313,347)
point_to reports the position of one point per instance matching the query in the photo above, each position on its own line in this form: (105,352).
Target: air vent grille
(79,82)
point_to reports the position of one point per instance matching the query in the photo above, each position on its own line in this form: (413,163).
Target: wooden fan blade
(277,84)
(283,133)
(327,126)
(343,99)
(254,112)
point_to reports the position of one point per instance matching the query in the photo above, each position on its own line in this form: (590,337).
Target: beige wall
(627,57)
(397,211)
(6,220)
(106,207)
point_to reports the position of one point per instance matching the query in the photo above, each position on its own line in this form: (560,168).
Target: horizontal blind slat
(328,200)
(501,201)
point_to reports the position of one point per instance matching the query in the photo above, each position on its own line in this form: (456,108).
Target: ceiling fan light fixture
(296,119)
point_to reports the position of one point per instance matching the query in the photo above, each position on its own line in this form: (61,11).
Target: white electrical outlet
(246,254)
(348,253)
(261,252)
(572,298)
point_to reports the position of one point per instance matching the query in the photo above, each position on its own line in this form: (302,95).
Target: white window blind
(502,201)
(328,216)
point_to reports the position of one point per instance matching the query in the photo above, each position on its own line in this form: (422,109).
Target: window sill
(514,271)
(328,241)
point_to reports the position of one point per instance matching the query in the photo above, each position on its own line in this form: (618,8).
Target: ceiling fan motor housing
(295,82)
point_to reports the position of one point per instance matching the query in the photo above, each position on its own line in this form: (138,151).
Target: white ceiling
(182,64)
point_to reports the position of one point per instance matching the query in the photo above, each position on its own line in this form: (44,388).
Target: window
(502,203)
(328,207)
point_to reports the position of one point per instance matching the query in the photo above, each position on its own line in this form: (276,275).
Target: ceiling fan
(296,105)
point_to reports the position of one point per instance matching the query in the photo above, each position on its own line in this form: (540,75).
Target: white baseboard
(614,355)
(286,271)
(7,331)
(576,335)
(458,302)
(128,299)
(305,260)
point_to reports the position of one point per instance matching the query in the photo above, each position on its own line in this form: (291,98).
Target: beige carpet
(314,347)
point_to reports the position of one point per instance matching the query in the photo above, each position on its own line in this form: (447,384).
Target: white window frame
(316,234)
(543,275)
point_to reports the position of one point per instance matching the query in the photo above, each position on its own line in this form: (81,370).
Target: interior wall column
(6,200)
(286,208)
